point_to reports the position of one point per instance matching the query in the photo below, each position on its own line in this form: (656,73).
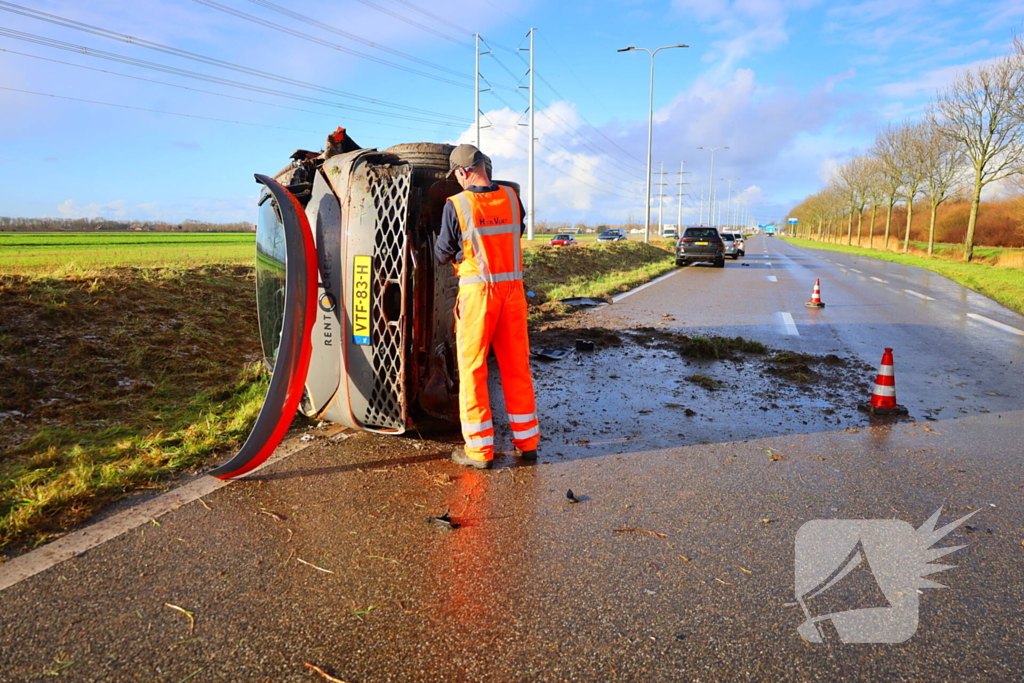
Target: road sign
(793,221)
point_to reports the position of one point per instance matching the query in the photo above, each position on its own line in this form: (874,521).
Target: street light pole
(728,205)
(711,182)
(650,135)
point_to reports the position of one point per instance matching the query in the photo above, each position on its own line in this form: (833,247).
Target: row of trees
(971,136)
(15,224)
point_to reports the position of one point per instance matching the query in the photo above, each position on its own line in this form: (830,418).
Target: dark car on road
(700,243)
(612,235)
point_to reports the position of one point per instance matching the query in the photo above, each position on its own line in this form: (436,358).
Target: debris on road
(557,353)
(586,301)
(310,564)
(571,496)
(323,673)
(656,534)
(444,521)
(584,345)
(190,615)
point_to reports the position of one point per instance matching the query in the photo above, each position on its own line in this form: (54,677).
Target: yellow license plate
(362,297)
(702,244)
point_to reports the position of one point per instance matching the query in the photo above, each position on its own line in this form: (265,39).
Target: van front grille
(389,189)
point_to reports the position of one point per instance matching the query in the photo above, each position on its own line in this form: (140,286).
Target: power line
(121,37)
(325,43)
(337,31)
(156,111)
(110,56)
(208,92)
(409,21)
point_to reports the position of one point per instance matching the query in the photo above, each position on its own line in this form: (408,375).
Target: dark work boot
(459,456)
(526,455)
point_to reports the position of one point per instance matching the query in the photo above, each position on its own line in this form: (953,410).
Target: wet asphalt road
(325,557)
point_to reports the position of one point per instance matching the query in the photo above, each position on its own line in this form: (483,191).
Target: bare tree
(876,194)
(887,151)
(981,112)
(913,142)
(944,169)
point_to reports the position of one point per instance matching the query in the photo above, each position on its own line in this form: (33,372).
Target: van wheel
(720,263)
(680,263)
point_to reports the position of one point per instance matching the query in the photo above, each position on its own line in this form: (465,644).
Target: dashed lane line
(878,279)
(772,278)
(789,324)
(996,323)
(919,295)
(856,271)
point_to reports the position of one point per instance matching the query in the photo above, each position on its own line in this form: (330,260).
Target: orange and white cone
(815,301)
(883,397)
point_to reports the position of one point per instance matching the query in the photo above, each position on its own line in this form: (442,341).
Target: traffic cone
(815,301)
(883,397)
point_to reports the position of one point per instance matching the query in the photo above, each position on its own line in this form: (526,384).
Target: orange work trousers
(493,315)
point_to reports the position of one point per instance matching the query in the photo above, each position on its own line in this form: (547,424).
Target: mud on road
(656,387)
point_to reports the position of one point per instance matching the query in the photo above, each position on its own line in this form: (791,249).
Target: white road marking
(919,295)
(856,271)
(619,297)
(787,320)
(77,543)
(878,279)
(772,278)
(993,323)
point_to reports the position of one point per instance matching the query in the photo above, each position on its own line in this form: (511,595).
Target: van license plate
(362,297)
(702,244)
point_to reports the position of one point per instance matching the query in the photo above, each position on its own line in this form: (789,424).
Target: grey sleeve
(448,248)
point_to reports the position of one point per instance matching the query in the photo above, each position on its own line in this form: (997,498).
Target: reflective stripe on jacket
(491,226)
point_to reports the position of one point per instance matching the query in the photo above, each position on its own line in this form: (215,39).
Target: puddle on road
(637,392)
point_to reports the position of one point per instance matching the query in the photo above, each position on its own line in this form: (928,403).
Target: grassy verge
(1005,285)
(599,269)
(112,382)
(78,254)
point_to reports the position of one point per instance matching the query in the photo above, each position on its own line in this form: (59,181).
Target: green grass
(1004,285)
(112,382)
(598,269)
(76,253)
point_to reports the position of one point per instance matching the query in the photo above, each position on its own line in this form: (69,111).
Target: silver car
(733,242)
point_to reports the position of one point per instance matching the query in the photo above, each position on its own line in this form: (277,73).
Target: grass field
(77,253)
(1000,283)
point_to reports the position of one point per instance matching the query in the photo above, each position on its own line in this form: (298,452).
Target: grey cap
(465,156)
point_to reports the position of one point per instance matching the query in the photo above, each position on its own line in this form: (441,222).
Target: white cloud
(931,82)
(212,210)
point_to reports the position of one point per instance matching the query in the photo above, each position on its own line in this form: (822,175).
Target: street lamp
(650,135)
(711,181)
(728,205)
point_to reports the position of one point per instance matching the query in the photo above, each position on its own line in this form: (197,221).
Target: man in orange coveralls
(480,231)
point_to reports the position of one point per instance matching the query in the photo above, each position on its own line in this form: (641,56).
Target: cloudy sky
(163,109)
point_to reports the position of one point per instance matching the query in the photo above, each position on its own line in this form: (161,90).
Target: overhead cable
(156,111)
(409,21)
(351,36)
(121,37)
(325,43)
(211,92)
(110,56)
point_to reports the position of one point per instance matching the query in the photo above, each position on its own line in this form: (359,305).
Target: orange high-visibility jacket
(491,224)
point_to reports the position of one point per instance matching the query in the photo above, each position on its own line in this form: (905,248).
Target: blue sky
(793,87)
